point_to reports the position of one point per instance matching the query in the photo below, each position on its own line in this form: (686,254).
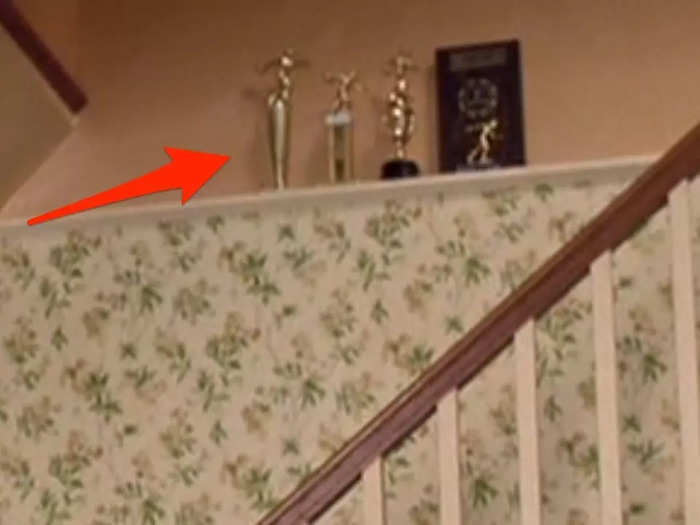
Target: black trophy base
(399,169)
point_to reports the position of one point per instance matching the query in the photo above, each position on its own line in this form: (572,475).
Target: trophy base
(399,169)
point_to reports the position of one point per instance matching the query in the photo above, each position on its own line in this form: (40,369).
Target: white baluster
(686,348)
(606,390)
(448,450)
(373,493)
(528,443)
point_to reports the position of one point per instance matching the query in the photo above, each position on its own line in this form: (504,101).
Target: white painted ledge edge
(594,172)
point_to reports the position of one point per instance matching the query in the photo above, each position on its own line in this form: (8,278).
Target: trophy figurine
(339,122)
(279,113)
(479,156)
(400,119)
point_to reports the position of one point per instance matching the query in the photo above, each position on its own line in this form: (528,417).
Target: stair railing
(589,252)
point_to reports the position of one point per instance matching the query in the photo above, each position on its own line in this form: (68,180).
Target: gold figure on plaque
(400,118)
(279,113)
(339,121)
(479,155)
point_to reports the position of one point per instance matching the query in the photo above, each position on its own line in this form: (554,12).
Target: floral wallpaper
(192,370)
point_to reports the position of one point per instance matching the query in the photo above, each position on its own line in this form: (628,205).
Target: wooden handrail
(476,349)
(41,56)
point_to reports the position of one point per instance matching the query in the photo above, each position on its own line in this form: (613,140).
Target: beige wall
(601,79)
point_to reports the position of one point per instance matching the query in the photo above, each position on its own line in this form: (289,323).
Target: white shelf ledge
(616,169)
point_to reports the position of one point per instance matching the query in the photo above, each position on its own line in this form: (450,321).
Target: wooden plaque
(480,106)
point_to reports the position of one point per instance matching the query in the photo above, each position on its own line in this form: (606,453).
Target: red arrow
(188,170)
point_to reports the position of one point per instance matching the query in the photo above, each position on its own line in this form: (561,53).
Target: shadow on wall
(259,155)
(380,149)
(431,122)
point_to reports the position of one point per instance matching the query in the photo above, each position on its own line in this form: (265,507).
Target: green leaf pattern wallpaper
(192,370)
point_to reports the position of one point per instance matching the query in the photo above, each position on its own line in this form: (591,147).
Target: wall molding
(598,172)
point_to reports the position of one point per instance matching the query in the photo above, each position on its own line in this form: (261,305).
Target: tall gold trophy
(400,119)
(339,124)
(279,113)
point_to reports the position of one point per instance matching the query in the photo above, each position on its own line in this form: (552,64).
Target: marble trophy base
(399,169)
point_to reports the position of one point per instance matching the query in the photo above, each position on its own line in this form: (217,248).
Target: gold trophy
(339,122)
(400,119)
(279,113)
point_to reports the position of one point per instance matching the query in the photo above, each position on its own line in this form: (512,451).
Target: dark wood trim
(41,56)
(473,352)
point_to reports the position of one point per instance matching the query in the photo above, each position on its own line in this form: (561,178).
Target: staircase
(587,260)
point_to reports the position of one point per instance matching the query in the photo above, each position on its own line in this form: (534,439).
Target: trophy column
(400,120)
(340,129)
(279,115)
